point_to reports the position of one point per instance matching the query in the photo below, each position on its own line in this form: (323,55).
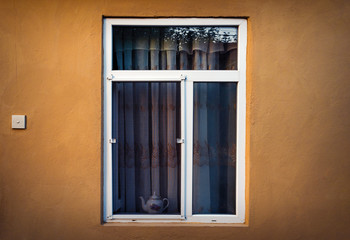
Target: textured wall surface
(298,139)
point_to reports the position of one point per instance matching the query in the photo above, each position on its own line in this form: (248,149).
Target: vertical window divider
(183,146)
(189,144)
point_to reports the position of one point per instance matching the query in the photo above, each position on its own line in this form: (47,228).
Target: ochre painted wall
(298,140)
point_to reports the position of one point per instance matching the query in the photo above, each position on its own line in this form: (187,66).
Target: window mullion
(183,147)
(188,146)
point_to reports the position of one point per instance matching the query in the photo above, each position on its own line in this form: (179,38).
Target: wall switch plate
(19,121)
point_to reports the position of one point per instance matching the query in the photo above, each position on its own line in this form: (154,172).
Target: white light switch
(19,121)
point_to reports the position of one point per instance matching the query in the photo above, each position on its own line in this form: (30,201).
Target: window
(174,120)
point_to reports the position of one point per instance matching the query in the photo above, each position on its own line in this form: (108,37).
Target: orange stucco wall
(298,136)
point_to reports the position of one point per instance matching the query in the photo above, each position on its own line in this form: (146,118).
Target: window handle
(180,140)
(112,140)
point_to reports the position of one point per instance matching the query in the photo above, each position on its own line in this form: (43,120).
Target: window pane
(146,160)
(174,48)
(214,148)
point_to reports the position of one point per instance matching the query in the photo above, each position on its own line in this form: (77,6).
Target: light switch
(19,121)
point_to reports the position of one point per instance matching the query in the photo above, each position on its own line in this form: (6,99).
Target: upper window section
(174,48)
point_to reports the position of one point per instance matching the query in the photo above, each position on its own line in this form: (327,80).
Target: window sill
(172,224)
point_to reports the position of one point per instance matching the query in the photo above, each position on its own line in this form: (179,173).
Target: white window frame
(186,78)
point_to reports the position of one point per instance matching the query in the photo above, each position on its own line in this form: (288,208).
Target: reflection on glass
(175,48)
(214,148)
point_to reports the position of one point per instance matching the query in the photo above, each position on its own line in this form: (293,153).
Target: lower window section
(214,148)
(146,158)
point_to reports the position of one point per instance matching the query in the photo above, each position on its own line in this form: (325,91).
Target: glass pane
(146,160)
(174,48)
(214,148)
